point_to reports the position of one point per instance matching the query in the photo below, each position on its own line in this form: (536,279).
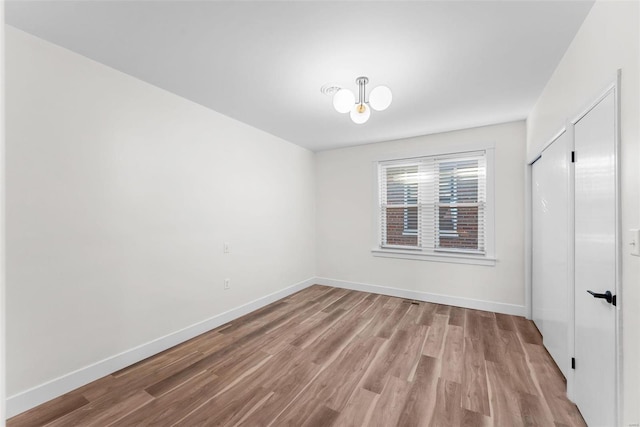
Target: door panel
(550,290)
(537,251)
(595,263)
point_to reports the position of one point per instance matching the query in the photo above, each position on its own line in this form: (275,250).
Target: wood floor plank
(453,354)
(443,309)
(398,357)
(428,311)
(163,386)
(350,366)
(456,316)
(491,343)
(392,321)
(159,361)
(475,395)
(380,316)
(102,411)
(99,387)
(118,387)
(472,324)
(473,419)
(520,373)
(390,404)
(258,315)
(321,417)
(357,411)
(285,388)
(447,409)
(435,338)
(527,330)
(552,386)
(326,356)
(505,322)
(312,293)
(389,357)
(412,317)
(532,410)
(510,341)
(174,405)
(220,410)
(50,411)
(505,408)
(409,356)
(311,333)
(343,331)
(418,408)
(344,302)
(330,297)
(307,330)
(483,313)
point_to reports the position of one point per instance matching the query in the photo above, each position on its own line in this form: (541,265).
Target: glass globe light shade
(380,98)
(343,100)
(360,113)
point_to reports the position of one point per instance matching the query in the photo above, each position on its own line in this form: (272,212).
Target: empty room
(321,213)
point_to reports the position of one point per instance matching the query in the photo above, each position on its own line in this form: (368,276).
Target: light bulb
(380,98)
(360,113)
(343,100)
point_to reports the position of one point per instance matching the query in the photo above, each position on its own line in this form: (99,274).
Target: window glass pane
(396,229)
(402,185)
(458,187)
(463,234)
(402,190)
(459,181)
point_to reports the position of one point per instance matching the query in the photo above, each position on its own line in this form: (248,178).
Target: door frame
(612,87)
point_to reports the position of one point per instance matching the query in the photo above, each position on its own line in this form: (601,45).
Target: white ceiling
(450,65)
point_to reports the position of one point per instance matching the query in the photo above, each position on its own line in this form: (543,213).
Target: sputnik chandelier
(344,101)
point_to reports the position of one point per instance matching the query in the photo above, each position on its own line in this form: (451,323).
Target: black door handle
(611,299)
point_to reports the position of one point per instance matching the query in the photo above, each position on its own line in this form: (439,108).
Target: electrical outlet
(226,248)
(227,283)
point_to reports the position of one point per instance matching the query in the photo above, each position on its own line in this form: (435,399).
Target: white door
(537,243)
(596,241)
(550,220)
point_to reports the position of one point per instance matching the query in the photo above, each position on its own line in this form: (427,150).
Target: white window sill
(456,258)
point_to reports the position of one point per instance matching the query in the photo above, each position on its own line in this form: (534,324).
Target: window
(435,205)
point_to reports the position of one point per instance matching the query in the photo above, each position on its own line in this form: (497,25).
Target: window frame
(439,255)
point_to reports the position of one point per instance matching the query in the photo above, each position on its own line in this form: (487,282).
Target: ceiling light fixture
(344,101)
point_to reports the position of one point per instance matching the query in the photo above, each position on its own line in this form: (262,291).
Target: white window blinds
(435,203)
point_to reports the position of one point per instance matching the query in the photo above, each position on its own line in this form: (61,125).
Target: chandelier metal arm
(362,84)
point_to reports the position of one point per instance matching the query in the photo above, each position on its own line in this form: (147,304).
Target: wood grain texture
(334,357)
(51,410)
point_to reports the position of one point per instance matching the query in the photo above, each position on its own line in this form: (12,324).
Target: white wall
(119,198)
(346,223)
(607,40)
(2,232)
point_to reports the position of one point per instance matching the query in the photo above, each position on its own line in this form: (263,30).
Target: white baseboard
(35,396)
(498,307)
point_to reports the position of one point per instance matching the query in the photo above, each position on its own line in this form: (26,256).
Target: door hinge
(573,363)
(573,157)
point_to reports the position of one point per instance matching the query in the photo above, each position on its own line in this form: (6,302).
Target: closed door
(550,290)
(596,241)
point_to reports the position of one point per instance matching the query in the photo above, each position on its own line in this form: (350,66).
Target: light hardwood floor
(333,357)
